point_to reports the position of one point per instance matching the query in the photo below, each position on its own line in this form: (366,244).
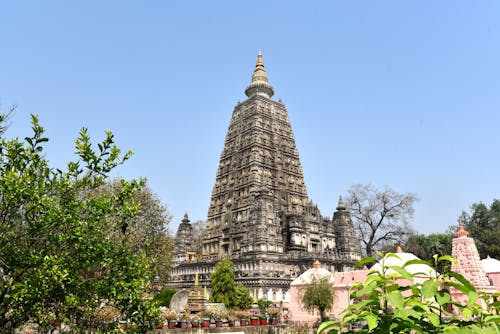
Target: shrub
(382,305)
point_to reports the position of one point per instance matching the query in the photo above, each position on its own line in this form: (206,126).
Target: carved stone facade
(260,215)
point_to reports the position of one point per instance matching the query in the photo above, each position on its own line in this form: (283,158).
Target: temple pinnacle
(260,84)
(260,63)
(341,206)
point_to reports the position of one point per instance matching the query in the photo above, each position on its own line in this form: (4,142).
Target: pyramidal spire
(260,84)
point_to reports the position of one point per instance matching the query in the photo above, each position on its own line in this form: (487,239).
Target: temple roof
(260,84)
(399,259)
(315,272)
(490,265)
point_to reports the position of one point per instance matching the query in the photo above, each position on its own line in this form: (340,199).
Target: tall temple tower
(260,215)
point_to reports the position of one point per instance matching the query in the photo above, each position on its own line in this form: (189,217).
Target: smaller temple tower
(184,245)
(347,246)
(469,264)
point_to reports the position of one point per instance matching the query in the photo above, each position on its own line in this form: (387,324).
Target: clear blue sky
(398,93)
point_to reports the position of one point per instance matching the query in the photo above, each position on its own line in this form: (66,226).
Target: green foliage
(163,297)
(147,232)
(382,305)
(242,298)
(318,295)
(263,304)
(224,290)
(426,246)
(222,283)
(483,225)
(63,246)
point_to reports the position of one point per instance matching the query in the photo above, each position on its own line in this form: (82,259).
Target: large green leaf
(429,288)
(329,326)
(434,319)
(367,260)
(462,280)
(396,299)
(403,272)
(443,297)
(372,321)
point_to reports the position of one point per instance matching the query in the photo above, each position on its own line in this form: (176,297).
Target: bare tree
(199,228)
(381,217)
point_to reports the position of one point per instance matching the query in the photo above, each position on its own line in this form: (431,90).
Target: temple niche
(260,214)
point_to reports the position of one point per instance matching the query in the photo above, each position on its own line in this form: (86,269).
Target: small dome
(490,265)
(315,272)
(399,259)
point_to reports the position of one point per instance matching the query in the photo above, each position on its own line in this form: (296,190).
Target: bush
(381,305)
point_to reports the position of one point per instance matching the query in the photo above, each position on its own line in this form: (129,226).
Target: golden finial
(260,63)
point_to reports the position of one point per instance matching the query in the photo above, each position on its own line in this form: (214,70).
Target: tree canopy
(147,231)
(381,217)
(225,290)
(426,246)
(318,295)
(59,249)
(222,283)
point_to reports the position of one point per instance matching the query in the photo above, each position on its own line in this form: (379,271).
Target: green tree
(263,304)
(224,290)
(147,232)
(426,246)
(242,298)
(381,217)
(222,283)
(57,256)
(318,295)
(483,225)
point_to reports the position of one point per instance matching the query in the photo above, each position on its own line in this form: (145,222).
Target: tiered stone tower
(260,215)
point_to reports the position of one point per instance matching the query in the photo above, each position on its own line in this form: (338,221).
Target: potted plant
(107,315)
(273,315)
(195,320)
(244,316)
(183,320)
(219,317)
(263,319)
(170,317)
(231,318)
(205,316)
(254,319)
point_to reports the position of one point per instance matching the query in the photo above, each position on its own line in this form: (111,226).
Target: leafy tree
(318,295)
(148,231)
(242,298)
(384,306)
(58,255)
(483,225)
(426,246)
(380,217)
(222,283)
(224,290)
(263,304)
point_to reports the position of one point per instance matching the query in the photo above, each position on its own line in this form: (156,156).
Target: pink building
(483,274)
